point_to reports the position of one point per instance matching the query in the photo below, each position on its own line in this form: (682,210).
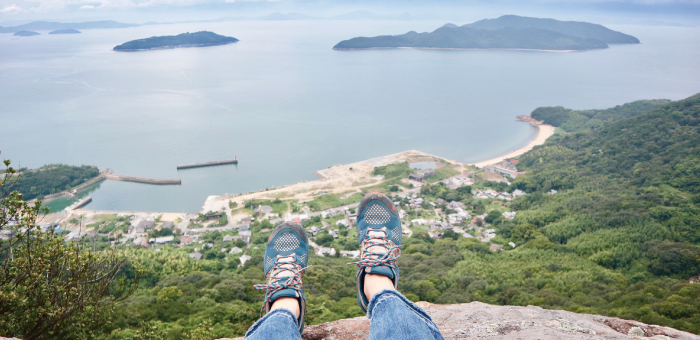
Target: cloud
(87,7)
(11,9)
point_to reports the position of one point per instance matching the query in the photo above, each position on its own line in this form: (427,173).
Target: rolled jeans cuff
(277,313)
(388,294)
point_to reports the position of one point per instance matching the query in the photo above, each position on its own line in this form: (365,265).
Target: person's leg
(395,317)
(277,324)
(286,257)
(392,315)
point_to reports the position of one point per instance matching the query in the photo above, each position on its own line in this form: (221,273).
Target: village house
(214,215)
(441,226)
(322,251)
(167,225)
(455,219)
(196,255)
(235,250)
(263,210)
(244,259)
(454,205)
(246,235)
(419,221)
(165,239)
(145,225)
(314,230)
(488,234)
(509,214)
(421,175)
(333,233)
(329,213)
(350,253)
(228,238)
(185,241)
(518,193)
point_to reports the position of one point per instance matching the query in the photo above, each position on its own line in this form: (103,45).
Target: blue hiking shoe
(286,256)
(379,235)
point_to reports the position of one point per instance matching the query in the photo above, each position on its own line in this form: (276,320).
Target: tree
(50,289)
(493,216)
(324,239)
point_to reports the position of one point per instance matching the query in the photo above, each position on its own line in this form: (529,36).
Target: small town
(235,230)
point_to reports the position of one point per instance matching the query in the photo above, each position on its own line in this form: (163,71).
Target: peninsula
(66,31)
(197,39)
(26,33)
(506,32)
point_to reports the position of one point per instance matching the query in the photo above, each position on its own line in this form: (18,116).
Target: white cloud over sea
(11,9)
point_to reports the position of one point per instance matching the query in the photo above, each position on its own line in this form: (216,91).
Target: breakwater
(79,204)
(200,165)
(144,180)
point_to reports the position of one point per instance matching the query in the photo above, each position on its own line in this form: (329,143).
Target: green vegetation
(400,170)
(583,120)
(278,206)
(53,178)
(50,289)
(619,238)
(333,200)
(202,38)
(442,173)
(628,201)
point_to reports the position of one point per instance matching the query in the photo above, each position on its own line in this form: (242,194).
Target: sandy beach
(545,131)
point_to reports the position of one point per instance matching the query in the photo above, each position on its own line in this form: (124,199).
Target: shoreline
(346,179)
(545,131)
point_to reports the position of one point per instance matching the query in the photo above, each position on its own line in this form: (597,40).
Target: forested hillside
(619,238)
(53,178)
(583,120)
(629,196)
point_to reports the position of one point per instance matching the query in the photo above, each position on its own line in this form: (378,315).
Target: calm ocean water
(287,105)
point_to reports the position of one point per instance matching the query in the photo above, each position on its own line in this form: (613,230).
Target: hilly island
(197,39)
(506,32)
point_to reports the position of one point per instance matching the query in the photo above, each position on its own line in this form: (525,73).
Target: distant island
(197,39)
(51,26)
(26,33)
(66,31)
(506,32)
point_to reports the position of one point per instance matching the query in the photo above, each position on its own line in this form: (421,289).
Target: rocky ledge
(478,320)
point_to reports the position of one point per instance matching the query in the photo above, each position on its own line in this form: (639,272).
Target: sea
(286,104)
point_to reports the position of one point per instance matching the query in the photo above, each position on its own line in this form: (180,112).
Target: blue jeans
(392,316)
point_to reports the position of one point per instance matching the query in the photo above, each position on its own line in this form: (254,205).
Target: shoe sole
(289,225)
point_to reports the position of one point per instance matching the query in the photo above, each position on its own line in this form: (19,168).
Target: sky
(675,12)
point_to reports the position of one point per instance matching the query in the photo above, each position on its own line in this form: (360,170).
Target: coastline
(346,179)
(545,131)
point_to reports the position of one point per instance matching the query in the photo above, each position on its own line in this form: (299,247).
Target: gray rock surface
(478,320)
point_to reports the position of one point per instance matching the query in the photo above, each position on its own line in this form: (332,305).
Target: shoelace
(278,283)
(376,259)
